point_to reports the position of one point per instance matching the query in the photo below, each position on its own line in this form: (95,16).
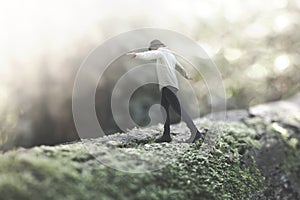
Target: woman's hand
(132,55)
(189,78)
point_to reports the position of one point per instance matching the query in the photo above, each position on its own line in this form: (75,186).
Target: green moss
(280,133)
(211,170)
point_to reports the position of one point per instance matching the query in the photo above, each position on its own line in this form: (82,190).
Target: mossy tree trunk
(254,155)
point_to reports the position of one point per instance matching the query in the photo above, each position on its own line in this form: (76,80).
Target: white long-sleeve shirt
(166,64)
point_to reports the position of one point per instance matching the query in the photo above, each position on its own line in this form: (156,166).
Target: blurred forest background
(254,43)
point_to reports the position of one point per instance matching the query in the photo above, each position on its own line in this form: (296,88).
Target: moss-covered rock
(256,157)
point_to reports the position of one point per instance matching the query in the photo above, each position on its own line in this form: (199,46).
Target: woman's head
(155,44)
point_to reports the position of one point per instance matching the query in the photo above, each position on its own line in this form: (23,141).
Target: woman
(166,64)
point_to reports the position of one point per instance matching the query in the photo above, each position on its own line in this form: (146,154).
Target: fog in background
(255,45)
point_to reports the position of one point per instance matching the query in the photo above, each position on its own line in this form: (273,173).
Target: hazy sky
(34,28)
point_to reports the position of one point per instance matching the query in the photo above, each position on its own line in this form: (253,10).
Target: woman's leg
(165,105)
(172,98)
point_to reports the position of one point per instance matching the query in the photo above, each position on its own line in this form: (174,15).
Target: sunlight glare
(281,22)
(281,63)
(232,54)
(256,71)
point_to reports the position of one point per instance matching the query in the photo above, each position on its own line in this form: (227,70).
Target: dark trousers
(169,98)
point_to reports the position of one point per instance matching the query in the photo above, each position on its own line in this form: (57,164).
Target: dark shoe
(163,139)
(194,138)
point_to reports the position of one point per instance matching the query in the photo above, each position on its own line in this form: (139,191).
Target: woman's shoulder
(165,50)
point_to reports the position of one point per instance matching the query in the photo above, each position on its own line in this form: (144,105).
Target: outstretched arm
(147,55)
(182,71)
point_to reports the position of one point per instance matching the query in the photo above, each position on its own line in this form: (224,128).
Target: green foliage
(8,120)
